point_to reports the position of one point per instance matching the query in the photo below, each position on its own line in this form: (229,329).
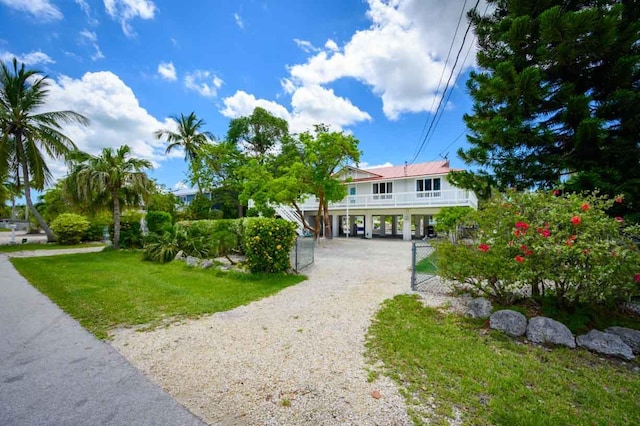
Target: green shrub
(97,225)
(268,243)
(450,217)
(222,236)
(130,229)
(70,228)
(539,243)
(163,247)
(158,222)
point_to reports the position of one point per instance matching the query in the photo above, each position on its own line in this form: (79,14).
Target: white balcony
(443,198)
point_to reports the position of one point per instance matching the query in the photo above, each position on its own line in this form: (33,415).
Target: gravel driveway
(295,358)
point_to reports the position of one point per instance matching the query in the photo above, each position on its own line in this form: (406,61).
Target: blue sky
(367,67)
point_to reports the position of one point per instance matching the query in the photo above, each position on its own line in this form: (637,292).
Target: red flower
(544,232)
(557,192)
(636,277)
(576,220)
(522,226)
(619,219)
(619,200)
(571,240)
(527,251)
(517,233)
(584,207)
(519,259)
(483,248)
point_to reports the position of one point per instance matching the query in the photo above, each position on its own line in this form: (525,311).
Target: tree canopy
(557,97)
(258,133)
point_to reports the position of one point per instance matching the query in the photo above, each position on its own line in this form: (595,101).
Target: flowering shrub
(70,228)
(545,243)
(268,243)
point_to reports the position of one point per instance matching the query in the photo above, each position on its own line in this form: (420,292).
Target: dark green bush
(268,243)
(157,222)
(130,230)
(70,228)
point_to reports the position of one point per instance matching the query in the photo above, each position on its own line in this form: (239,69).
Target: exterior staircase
(288,213)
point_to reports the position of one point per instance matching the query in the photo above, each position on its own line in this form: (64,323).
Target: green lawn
(446,361)
(11,248)
(117,289)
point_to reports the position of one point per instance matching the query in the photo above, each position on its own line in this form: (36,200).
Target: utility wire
(444,68)
(424,141)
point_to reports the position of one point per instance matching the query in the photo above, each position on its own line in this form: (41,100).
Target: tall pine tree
(557,97)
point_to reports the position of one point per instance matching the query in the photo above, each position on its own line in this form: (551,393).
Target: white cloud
(305,45)
(204,82)
(40,9)
(400,56)
(91,38)
(31,58)
(238,20)
(331,45)
(309,106)
(87,11)
(116,116)
(167,71)
(365,165)
(126,10)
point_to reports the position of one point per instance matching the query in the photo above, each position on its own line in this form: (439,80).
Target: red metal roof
(421,169)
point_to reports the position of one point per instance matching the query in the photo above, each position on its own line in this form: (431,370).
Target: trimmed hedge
(268,243)
(158,222)
(70,228)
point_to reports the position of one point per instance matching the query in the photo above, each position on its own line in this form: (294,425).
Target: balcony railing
(442,198)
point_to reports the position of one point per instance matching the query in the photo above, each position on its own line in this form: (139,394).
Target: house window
(428,187)
(383,191)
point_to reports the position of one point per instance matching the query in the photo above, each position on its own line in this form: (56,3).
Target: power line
(426,138)
(444,68)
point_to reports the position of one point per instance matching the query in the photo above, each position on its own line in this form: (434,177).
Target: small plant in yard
(539,243)
(70,228)
(268,243)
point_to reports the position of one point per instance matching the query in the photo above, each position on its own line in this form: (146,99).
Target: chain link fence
(302,253)
(424,270)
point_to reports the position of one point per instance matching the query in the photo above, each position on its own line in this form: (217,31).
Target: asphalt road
(54,372)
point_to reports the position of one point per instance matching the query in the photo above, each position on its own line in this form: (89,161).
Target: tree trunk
(328,232)
(116,220)
(51,237)
(316,226)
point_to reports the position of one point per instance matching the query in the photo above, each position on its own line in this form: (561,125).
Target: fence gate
(302,253)
(424,276)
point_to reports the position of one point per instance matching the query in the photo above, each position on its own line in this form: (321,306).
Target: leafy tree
(189,136)
(29,135)
(306,166)
(111,177)
(557,97)
(258,133)
(161,200)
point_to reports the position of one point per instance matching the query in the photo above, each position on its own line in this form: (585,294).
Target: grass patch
(12,248)
(113,289)
(428,264)
(460,369)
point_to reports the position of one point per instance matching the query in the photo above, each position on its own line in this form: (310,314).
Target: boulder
(207,263)
(628,335)
(479,308)
(193,261)
(180,256)
(545,330)
(605,343)
(510,322)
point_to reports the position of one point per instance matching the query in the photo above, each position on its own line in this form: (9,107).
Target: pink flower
(619,200)
(576,220)
(519,259)
(584,207)
(522,226)
(544,232)
(636,277)
(483,248)
(619,219)
(557,192)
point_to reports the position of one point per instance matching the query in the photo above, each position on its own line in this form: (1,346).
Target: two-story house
(392,201)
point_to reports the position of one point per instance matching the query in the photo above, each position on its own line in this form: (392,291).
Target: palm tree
(27,134)
(188,136)
(114,178)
